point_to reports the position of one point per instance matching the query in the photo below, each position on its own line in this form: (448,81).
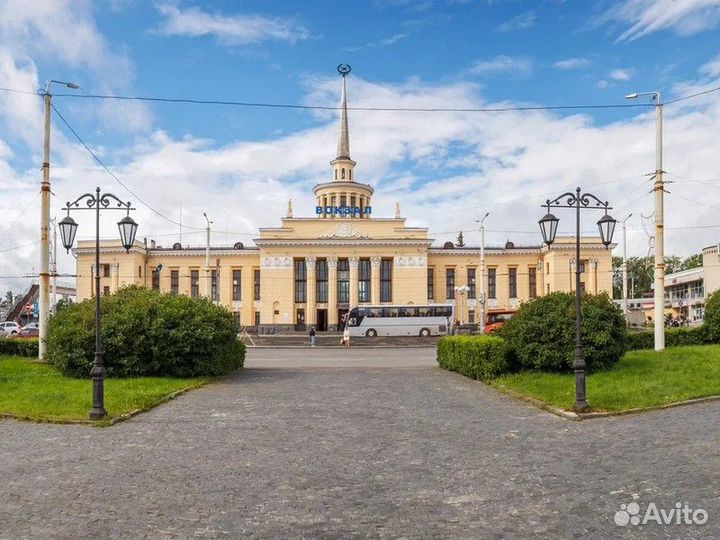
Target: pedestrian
(312,336)
(346,337)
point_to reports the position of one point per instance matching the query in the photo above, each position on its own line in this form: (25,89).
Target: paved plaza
(356,444)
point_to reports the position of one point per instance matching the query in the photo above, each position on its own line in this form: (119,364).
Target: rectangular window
(386,280)
(512,282)
(237,320)
(532,281)
(430,283)
(256,285)
(471,282)
(449,283)
(106,270)
(139,271)
(174,281)
(194,283)
(237,285)
(300,280)
(106,290)
(364,280)
(214,282)
(492,282)
(343,277)
(257,318)
(321,281)
(156,280)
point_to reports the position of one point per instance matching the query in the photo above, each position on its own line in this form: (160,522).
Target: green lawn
(38,392)
(640,379)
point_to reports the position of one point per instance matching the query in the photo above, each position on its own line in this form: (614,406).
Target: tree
(460,242)
(673,264)
(9,297)
(693,261)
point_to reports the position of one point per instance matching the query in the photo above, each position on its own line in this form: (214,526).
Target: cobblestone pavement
(361,452)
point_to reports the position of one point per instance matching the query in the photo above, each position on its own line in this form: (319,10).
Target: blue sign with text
(342,210)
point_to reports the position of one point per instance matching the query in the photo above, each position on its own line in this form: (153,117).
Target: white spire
(343,149)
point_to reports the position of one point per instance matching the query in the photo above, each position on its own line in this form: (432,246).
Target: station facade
(312,270)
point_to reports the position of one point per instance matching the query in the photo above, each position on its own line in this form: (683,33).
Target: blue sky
(242,164)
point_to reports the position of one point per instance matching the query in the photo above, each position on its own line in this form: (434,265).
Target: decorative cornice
(342,242)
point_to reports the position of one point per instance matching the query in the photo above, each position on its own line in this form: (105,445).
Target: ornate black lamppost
(68,229)
(548,227)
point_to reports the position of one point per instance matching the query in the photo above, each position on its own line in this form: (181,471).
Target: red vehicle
(495,319)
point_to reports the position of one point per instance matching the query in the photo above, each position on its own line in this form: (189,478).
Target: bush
(542,334)
(477,357)
(674,337)
(712,317)
(19,346)
(146,333)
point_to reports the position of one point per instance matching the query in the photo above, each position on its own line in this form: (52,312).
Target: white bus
(411,320)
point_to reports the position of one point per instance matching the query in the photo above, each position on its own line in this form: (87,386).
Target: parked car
(495,320)
(10,327)
(30,330)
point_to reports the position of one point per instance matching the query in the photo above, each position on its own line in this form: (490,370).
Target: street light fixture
(128,230)
(462,290)
(548,228)
(659,189)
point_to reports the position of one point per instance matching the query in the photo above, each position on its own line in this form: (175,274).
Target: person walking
(312,336)
(346,337)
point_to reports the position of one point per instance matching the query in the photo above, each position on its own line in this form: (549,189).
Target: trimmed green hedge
(712,317)
(674,337)
(477,357)
(19,346)
(146,333)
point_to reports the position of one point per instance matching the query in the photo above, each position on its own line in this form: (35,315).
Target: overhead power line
(107,170)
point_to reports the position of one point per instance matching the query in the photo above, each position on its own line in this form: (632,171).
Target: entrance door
(341,318)
(300,320)
(321,320)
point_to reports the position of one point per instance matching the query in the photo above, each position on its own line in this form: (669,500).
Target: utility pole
(44,296)
(483,316)
(208,288)
(624,270)
(659,189)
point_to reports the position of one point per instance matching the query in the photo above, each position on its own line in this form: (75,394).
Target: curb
(570,415)
(101,423)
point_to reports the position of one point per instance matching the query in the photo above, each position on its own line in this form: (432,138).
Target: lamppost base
(581,406)
(98,414)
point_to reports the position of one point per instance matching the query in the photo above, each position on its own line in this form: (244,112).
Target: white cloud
(521,22)
(65,32)
(238,29)
(603,84)
(621,74)
(643,17)
(516,65)
(711,68)
(572,63)
(384,42)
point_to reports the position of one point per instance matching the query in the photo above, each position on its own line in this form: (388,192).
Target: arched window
(335,174)
(342,174)
(350,173)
